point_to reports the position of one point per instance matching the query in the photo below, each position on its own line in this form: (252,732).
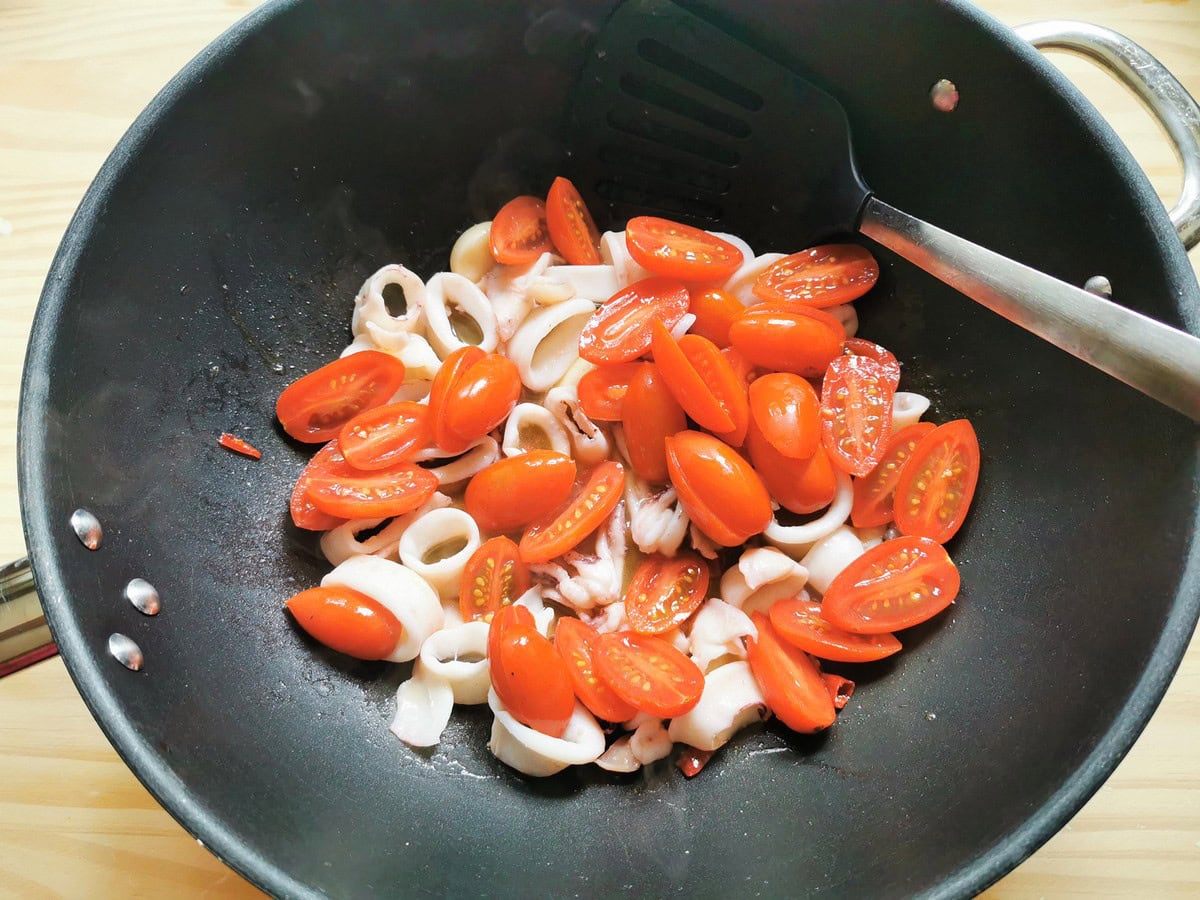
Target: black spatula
(673,116)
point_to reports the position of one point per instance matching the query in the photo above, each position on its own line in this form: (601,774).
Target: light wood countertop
(73,820)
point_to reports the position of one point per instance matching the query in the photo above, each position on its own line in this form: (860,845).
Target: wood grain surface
(74,822)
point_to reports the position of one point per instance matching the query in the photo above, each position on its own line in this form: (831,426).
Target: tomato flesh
(519,232)
(347,621)
(648,673)
(650,415)
(873,492)
(372,495)
(798,621)
(381,437)
(328,460)
(722,495)
(935,488)
(787,411)
(575,642)
(532,680)
(680,251)
(857,346)
(820,276)
(571,227)
(665,591)
(790,680)
(602,390)
(782,340)
(495,577)
(619,331)
(238,445)
(856,413)
(566,529)
(895,585)
(314,408)
(517,490)
(686,384)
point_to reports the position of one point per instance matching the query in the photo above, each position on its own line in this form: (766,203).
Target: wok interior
(321,145)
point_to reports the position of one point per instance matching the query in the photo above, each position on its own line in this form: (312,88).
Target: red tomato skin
(798,621)
(494,577)
(685,383)
(517,490)
(788,341)
(894,571)
(347,621)
(441,394)
(532,680)
(856,413)
(721,493)
(619,331)
(790,680)
(787,411)
(314,408)
(723,382)
(820,276)
(575,642)
(650,415)
(562,531)
(238,445)
(627,660)
(840,689)
(874,491)
(386,435)
(519,232)
(802,486)
(715,311)
(304,512)
(504,618)
(482,396)
(680,251)
(572,230)
(929,517)
(602,390)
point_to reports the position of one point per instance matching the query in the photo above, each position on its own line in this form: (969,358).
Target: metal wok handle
(1161,93)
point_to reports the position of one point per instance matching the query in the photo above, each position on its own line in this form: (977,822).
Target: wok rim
(84,663)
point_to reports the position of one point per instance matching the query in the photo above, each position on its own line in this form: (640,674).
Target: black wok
(214,260)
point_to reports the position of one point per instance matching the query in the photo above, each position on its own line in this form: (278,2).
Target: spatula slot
(659,54)
(649,198)
(625,159)
(658,94)
(641,123)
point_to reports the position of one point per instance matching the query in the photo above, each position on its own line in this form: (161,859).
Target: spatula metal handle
(1160,361)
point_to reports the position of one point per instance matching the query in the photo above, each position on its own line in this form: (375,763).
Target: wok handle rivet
(944,95)
(144,596)
(125,651)
(87,528)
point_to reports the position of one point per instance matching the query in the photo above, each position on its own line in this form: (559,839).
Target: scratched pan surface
(215,259)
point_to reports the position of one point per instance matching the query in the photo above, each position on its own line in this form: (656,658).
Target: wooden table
(73,820)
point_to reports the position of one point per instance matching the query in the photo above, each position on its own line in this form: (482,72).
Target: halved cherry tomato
(690,760)
(715,311)
(238,445)
(532,680)
(798,621)
(856,413)
(790,680)
(840,689)
(726,385)
(686,384)
(619,331)
(314,408)
(575,642)
(788,340)
(517,490)
(938,482)
(494,577)
(347,621)
(572,230)
(787,411)
(873,492)
(894,585)
(650,415)
(519,232)
(602,390)
(741,366)
(560,532)
(800,485)
(680,251)
(381,437)
(371,495)
(503,619)
(856,346)
(648,673)
(665,591)
(328,460)
(471,394)
(722,495)
(820,276)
